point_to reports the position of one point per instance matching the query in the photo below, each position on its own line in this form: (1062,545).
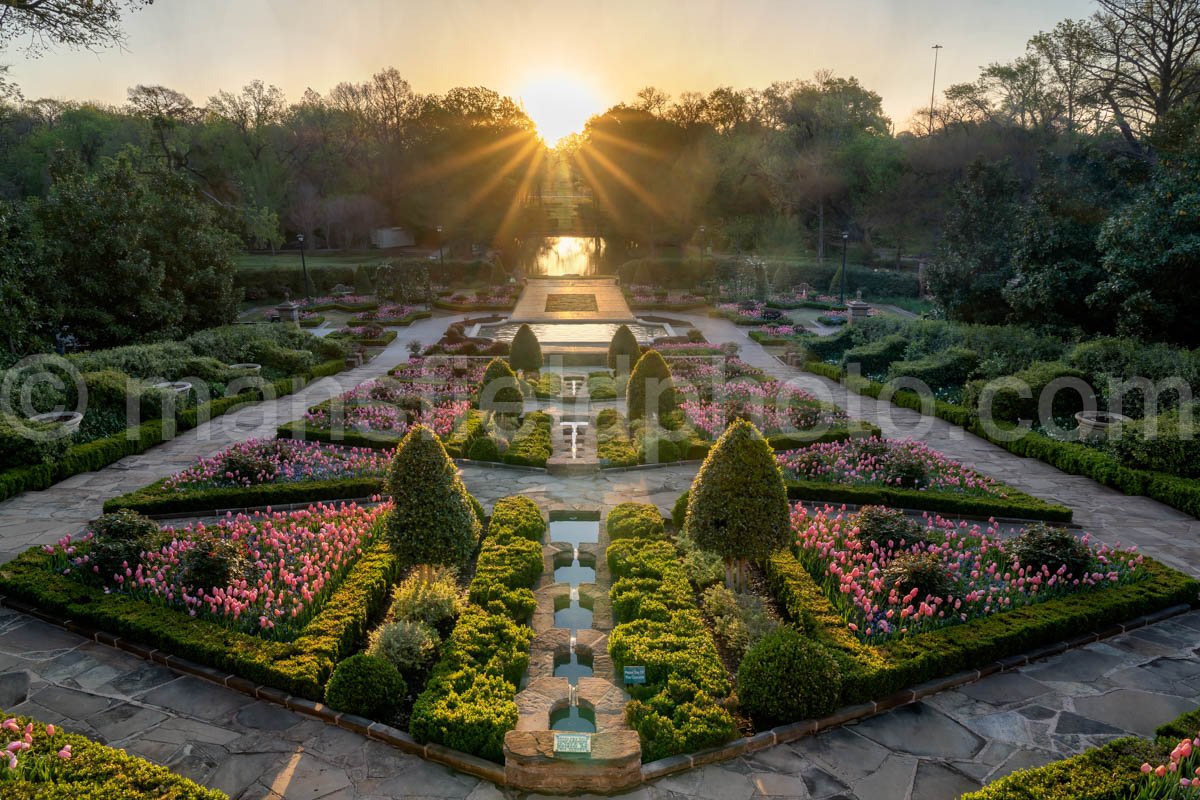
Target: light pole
(304,266)
(441,250)
(933,90)
(845,238)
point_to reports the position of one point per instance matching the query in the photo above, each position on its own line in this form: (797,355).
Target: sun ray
(508,223)
(598,134)
(442,168)
(628,182)
(487,187)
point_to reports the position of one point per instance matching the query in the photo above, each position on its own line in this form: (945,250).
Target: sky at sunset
(584,55)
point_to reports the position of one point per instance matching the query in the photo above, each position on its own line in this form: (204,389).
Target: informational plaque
(635,675)
(572,743)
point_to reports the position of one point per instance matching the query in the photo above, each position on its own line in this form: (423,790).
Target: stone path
(932,750)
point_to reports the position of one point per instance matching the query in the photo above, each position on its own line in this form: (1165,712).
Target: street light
(441,250)
(845,238)
(304,266)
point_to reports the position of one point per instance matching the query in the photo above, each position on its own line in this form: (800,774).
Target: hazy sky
(611,46)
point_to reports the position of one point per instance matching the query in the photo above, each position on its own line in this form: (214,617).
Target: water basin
(573,332)
(574,719)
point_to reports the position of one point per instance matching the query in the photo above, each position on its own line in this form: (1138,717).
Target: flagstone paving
(950,743)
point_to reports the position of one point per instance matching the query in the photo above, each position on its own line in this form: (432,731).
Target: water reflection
(563,255)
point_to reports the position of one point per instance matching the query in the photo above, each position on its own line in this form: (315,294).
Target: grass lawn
(255,261)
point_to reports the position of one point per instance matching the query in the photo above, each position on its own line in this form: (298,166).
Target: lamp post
(441,250)
(845,238)
(933,89)
(304,266)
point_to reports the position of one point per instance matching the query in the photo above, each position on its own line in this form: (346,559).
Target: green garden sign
(635,675)
(572,743)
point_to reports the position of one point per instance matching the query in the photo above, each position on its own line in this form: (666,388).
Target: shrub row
(683,705)
(299,667)
(531,444)
(156,499)
(469,702)
(1072,457)
(473,426)
(100,453)
(614,448)
(1017,505)
(871,672)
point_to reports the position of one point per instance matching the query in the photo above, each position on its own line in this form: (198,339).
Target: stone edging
(798,730)
(487,770)
(466,462)
(641,467)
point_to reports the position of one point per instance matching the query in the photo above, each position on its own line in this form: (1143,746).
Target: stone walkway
(932,750)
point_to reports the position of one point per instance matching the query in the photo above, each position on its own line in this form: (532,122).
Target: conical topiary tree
(500,390)
(526,352)
(362,281)
(433,521)
(738,506)
(650,392)
(623,351)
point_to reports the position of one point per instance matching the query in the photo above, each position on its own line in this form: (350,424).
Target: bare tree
(45,23)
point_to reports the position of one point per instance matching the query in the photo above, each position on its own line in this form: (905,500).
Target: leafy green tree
(738,506)
(651,391)
(526,352)
(623,351)
(28,307)
(974,262)
(433,521)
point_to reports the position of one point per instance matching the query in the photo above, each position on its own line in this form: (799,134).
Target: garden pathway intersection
(935,749)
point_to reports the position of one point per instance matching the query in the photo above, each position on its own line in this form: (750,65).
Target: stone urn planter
(1095,425)
(248,368)
(68,420)
(178,387)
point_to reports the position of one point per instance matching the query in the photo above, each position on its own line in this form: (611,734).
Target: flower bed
(349,302)
(958,574)
(45,761)
(375,420)
(775,407)
(646,297)
(365,335)
(497,299)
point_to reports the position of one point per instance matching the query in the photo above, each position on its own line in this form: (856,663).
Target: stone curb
(487,770)
(643,467)
(798,730)
(466,462)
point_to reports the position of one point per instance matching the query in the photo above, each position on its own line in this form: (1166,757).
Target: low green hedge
(97,772)
(1109,772)
(349,308)
(469,702)
(458,443)
(299,667)
(1072,457)
(156,499)
(875,357)
(614,447)
(531,444)
(403,322)
(635,521)
(1017,505)
(871,672)
(766,340)
(682,706)
(100,453)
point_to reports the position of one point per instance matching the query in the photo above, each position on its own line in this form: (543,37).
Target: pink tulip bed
(773,406)
(254,462)
(977,572)
(390,421)
(903,464)
(266,573)
(644,297)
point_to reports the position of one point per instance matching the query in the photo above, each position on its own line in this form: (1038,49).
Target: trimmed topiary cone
(623,351)
(738,506)
(433,521)
(500,390)
(525,353)
(650,383)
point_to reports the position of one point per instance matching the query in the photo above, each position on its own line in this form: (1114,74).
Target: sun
(559,104)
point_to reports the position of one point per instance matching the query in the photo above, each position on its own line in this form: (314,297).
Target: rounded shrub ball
(484,449)
(366,686)
(788,677)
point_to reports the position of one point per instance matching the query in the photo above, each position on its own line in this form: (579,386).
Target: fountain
(575,615)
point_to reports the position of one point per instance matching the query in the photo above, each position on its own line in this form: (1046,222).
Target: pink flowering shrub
(388,419)
(286,564)
(362,331)
(976,564)
(773,406)
(1178,778)
(386,311)
(255,462)
(904,464)
(779,331)
(31,753)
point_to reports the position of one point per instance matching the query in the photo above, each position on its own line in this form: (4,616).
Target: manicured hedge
(155,499)
(614,448)
(1017,505)
(681,706)
(299,667)
(98,772)
(531,444)
(469,702)
(100,453)
(458,443)
(1077,459)
(871,672)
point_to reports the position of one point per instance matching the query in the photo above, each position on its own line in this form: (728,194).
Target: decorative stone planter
(178,387)
(1094,425)
(68,420)
(248,368)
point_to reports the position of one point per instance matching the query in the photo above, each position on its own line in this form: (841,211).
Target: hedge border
(151,500)
(1181,494)
(100,453)
(1018,506)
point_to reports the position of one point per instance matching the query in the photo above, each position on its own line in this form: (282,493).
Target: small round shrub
(410,647)
(656,450)
(500,390)
(517,516)
(125,525)
(788,677)
(887,527)
(119,541)
(484,448)
(248,465)
(1042,545)
(212,562)
(906,470)
(367,686)
(635,521)
(924,572)
(430,597)
(525,354)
